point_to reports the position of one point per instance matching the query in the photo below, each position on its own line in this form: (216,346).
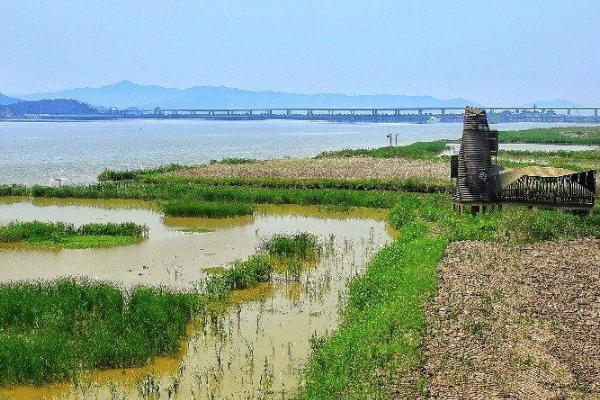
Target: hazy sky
(493,52)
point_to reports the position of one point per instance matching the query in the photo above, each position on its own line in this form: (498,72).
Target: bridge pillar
(330,112)
(420,111)
(516,110)
(595,112)
(270,112)
(352,112)
(443,111)
(569,111)
(309,112)
(288,112)
(374,112)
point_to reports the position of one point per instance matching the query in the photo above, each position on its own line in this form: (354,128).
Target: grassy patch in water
(197,229)
(302,245)
(62,235)
(193,208)
(50,330)
(418,150)
(585,135)
(242,274)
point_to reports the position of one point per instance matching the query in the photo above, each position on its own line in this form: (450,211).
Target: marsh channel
(257,346)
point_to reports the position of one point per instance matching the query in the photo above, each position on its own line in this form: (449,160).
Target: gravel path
(516,322)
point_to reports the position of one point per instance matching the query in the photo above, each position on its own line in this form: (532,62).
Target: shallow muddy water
(258,346)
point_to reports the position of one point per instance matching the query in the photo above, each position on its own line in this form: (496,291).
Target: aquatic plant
(301,245)
(60,234)
(50,330)
(194,208)
(242,274)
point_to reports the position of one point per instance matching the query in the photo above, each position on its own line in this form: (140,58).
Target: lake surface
(258,346)
(37,152)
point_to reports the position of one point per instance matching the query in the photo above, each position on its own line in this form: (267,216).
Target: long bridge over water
(345,114)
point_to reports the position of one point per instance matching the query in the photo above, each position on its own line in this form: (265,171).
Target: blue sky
(493,52)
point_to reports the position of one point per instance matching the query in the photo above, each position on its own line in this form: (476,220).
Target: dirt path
(516,322)
(339,168)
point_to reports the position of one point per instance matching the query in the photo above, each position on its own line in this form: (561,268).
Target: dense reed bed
(589,135)
(194,208)
(50,330)
(59,234)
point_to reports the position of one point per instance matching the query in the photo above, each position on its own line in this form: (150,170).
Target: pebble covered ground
(516,322)
(335,168)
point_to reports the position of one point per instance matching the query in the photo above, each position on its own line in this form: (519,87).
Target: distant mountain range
(127,94)
(4,100)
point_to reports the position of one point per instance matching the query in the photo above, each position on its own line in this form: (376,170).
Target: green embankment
(378,343)
(586,135)
(418,150)
(62,235)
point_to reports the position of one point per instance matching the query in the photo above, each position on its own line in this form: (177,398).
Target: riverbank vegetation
(584,135)
(194,208)
(377,350)
(51,330)
(418,150)
(63,235)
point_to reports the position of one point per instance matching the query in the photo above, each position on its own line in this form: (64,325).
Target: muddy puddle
(257,347)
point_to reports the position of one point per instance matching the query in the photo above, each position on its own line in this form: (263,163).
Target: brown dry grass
(514,322)
(334,168)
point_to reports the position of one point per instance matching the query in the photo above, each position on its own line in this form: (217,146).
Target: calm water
(37,152)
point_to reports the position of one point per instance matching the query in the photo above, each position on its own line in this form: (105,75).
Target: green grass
(302,245)
(418,150)
(242,274)
(135,174)
(165,191)
(419,185)
(62,235)
(586,135)
(50,330)
(194,208)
